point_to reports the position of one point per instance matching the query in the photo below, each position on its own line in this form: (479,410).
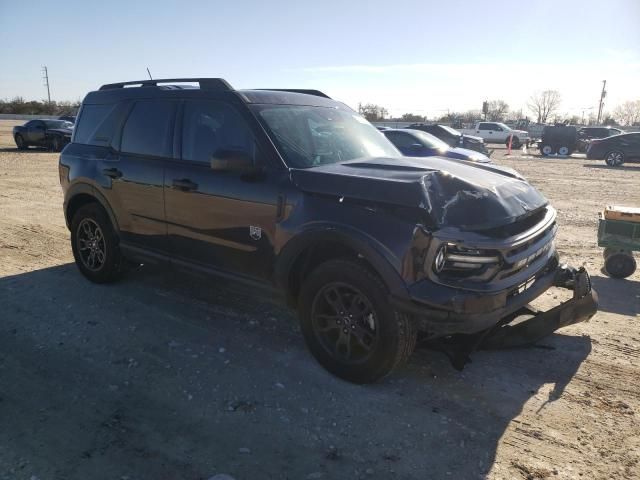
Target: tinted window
(486,126)
(401,139)
(91,117)
(149,129)
(212,126)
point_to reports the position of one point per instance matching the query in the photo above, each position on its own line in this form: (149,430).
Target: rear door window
(401,139)
(91,117)
(148,130)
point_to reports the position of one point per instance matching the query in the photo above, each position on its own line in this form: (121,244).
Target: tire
(57,144)
(91,232)
(620,264)
(20,143)
(614,158)
(564,150)
(362,346)
(547,150)
(515,143)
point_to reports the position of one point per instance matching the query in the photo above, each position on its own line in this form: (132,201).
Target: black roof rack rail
(317,93)
(205,83)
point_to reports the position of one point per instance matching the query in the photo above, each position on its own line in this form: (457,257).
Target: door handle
(184,184)
(112,172)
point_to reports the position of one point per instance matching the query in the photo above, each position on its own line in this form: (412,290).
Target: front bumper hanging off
(580,308)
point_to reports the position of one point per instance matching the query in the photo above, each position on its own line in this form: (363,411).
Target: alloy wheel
(344,322)
(91,244)
(615,159)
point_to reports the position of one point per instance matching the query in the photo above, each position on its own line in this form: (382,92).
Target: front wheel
(515,143)
(614,158)
(547,150)
(20,143)
(564,151)
(95,245)
(348,324)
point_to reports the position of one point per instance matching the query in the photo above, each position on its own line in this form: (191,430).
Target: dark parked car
(616,150)
(299,195)
(415,143)
(53,134)
(453,137)
(586,134)
(558,139)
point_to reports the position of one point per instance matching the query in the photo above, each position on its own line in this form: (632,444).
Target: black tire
(547,149)
(391,335)
(515,143)
(57,144)
(620,264)
(614,158)
(564,150)
(107,267)
(20,143)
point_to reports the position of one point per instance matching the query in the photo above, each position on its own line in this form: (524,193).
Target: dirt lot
(164,376)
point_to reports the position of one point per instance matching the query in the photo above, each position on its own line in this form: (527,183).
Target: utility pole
(602,95)
(45,77)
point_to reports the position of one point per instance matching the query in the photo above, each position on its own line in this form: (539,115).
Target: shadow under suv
(295,192)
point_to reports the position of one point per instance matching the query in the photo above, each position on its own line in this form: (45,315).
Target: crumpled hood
(465,195)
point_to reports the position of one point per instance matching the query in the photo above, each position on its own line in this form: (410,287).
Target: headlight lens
(457,260)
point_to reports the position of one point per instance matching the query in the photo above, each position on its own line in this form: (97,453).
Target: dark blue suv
(293,192)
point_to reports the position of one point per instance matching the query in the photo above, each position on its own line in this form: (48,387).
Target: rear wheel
(563,150)
(614,158)
(620,264)
(95,245)
(20,143)
(348,324)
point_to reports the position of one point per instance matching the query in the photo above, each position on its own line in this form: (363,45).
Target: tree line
(20,106)
(544,107)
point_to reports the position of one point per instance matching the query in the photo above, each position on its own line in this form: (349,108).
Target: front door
(36,132)
(219,219)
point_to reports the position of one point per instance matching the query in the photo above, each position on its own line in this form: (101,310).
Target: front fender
(378,256)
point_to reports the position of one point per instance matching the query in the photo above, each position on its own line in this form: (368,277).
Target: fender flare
(372,251)
(87,189)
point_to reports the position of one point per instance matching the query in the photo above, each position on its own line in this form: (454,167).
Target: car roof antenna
(150,77)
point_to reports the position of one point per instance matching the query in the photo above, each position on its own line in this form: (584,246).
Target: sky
(425,57)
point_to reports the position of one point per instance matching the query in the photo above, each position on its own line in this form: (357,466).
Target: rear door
(221,220)
(136,174)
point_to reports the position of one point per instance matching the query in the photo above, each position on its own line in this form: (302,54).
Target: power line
(45,77)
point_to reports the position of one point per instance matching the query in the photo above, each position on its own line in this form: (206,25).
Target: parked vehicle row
(297,193)
(452,137)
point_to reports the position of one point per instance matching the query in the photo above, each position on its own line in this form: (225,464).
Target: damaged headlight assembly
(451,257)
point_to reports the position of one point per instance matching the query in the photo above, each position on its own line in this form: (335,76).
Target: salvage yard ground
(169,376)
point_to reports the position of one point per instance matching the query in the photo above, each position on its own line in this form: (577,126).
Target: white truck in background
(496,132)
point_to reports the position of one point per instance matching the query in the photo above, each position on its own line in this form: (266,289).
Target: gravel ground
(169,376)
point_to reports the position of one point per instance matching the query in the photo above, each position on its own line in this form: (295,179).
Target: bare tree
(628,113)
(412,117)
(498,109)
(372,112)
(544,104)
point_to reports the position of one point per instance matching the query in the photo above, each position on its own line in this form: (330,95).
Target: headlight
(457,260)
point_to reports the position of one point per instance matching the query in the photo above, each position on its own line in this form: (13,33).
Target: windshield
(452,131)
(310,136)
(58,124)
(429,140)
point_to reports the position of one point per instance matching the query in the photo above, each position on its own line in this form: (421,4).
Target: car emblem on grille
(255,232)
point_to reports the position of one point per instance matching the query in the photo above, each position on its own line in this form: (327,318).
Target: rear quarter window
(149,129)
(92,127)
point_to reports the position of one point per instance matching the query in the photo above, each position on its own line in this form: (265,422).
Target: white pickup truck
(495,132)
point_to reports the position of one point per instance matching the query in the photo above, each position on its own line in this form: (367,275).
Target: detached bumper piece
(580,308)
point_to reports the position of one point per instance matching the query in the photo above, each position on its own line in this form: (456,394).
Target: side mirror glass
(226,160)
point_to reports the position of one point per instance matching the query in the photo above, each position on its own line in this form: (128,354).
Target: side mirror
(225,160)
